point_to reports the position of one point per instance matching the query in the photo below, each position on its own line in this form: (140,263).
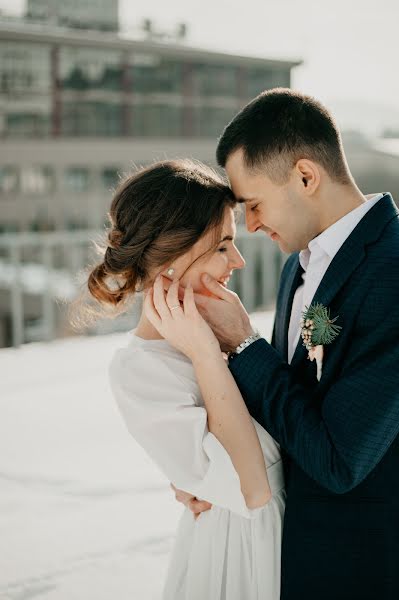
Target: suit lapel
(349,256)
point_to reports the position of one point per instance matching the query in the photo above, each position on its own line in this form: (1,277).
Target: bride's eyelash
(222,249)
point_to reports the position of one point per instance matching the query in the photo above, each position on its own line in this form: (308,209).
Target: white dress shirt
(315,260)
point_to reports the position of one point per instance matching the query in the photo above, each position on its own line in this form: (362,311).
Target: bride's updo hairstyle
(157,214)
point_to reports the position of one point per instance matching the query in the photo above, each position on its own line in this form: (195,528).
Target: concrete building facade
(80,109)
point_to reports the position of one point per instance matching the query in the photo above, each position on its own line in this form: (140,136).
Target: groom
(339,435)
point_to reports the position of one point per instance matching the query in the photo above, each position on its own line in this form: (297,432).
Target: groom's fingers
(216,288)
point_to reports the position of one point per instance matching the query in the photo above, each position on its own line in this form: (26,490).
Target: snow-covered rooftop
(84,514)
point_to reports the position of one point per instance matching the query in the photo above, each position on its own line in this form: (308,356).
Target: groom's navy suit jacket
(339,436)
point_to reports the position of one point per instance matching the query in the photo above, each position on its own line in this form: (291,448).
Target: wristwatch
(247,342)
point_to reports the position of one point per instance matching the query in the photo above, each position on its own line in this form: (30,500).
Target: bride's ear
(309,176)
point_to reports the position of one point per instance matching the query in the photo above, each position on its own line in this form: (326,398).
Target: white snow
(84,514)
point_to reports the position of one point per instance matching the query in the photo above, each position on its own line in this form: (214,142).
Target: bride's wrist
(207,356)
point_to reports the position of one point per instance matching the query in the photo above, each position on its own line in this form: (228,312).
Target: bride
(173,221)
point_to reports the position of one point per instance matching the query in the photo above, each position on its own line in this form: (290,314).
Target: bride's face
(219,262)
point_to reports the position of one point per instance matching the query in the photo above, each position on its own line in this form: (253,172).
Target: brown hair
(157,214)
(278,128)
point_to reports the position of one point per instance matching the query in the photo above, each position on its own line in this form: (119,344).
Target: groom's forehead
(245,186)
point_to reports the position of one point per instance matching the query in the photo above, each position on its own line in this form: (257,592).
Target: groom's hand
(225,314)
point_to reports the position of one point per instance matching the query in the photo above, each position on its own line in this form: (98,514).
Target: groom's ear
(308,173)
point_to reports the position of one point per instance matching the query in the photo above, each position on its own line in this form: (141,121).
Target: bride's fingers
(190,310)
(172,300)
(159,299)
(151,312)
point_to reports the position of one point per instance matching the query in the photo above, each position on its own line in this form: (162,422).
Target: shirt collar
(331,239)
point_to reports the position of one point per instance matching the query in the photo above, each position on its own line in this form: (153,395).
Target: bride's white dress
(230,552)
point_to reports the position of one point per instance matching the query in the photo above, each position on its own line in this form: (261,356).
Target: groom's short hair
(278,128)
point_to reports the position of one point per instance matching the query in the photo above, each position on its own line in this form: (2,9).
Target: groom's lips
(273,235)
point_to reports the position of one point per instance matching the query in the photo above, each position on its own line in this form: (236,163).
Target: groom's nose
(252,222)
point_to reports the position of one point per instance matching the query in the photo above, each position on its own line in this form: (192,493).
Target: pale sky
(350,48)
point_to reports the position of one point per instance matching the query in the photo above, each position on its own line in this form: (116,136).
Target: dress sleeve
(161,413)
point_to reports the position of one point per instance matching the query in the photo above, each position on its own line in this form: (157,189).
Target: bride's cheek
(219,264)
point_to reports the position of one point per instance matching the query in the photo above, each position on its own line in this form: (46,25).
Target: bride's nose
(237,261)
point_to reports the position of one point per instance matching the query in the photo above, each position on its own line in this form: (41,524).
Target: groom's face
(281,211)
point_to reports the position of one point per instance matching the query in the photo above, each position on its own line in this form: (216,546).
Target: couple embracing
(288,467)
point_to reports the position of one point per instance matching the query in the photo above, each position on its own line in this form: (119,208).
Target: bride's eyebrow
(242,200)
(227,238)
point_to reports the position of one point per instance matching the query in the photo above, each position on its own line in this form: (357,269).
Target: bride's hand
(180,324)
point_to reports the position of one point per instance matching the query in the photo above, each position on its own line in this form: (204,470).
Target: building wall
(69,183)
(76,116)
(71,90)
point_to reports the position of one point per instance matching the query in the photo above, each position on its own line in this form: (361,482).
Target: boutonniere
(317,330)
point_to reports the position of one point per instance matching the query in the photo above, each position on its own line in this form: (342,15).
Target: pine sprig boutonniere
(317,330)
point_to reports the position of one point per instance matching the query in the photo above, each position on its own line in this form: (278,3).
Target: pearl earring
(170,271)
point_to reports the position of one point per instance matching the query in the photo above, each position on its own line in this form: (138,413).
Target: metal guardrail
(67,252)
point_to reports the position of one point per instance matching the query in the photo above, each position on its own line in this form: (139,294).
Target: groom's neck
(337,200)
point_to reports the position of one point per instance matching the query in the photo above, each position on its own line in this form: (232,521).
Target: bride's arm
(230,421)
(228,417)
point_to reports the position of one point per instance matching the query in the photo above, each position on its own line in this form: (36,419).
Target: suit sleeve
(340,442)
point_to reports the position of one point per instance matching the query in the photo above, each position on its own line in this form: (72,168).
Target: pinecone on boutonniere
(317,330)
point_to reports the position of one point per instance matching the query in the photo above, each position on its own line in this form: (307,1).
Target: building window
(76,179)
(24,124)
(153,74)
(260,80)
(9,227)
(73,224)
(282,78)
(91,118)
(25,87)
(215,80)
(8,180)
(24,68)
(110,177)
(209,121)
(90,69)
(37,180)
(157,120)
